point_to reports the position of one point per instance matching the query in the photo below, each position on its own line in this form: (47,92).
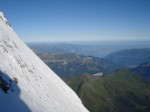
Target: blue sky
(78,20)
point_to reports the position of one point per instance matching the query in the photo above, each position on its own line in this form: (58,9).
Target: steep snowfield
(26,83)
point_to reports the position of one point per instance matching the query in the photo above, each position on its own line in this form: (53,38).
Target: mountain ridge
(142,70)
(121,92)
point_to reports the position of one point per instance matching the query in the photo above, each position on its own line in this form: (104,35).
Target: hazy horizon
(89,42)
(96,49)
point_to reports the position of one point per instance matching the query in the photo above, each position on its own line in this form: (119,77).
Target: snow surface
(39,89)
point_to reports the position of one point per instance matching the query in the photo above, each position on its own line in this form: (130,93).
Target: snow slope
(26,83)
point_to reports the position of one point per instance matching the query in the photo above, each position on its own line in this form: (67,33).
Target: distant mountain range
(97,49)
(68,65)
(71,64)
(113,51)
(121,92)
(131,57)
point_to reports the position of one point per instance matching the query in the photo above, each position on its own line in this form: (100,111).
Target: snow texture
(26,83)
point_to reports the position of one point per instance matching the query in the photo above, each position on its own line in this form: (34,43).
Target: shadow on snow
(10,100)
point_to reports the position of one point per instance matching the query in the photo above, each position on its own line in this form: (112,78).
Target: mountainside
(67,65)
(142,70)
(26,83)
(131,57)
(120,92)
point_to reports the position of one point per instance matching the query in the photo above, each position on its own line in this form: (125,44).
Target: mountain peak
(3,18)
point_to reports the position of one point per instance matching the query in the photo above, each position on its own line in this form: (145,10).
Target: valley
(104,85)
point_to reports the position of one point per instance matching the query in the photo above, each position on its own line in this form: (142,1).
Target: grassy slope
(121,92)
